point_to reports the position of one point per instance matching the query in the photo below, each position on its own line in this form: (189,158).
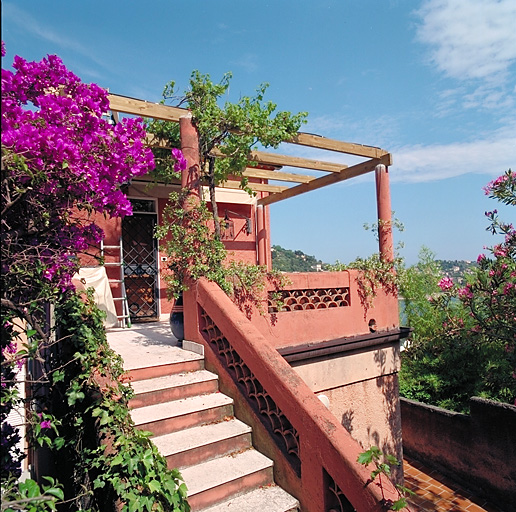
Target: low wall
(478,449)
(320,306)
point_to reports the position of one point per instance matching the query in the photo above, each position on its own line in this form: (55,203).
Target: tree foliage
(191,235)
(234,129)
(465,336)
(286,260)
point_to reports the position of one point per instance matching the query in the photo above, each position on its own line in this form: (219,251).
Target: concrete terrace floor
(152,344)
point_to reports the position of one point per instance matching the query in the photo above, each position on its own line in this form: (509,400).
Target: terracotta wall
(363,393)
(476,449)
(297,327)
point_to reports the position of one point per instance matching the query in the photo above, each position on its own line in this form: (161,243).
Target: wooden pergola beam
(317,141)
(329,179)
(253,172)
(294,161)
(339,172)
(145,108)
(277,160)
(255,187)
(168,113)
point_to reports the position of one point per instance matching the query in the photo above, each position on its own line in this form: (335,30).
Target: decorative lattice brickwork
(299,300)
(285,435)
(335,500)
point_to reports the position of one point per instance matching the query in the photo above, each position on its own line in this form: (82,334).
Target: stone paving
(436,493)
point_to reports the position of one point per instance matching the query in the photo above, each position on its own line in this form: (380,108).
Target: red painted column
(190,177)
(267,224)
(261,234)
(383,201)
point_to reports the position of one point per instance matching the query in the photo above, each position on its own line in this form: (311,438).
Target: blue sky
(431,81)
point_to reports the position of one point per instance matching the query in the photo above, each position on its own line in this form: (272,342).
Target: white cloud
(491,155)
(249,62)
(470,38)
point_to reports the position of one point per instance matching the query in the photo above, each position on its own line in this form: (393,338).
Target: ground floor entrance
(140,257)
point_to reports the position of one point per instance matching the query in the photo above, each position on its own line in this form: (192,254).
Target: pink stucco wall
(286,329)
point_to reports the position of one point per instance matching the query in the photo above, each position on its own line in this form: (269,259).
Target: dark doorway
(140,252)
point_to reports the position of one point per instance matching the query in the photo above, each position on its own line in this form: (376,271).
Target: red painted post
(260,234)
(383,201)
(190,177)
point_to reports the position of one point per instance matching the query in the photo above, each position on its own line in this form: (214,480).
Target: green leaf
(155,486)
(399,504)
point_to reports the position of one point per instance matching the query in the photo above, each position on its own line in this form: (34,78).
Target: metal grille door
(140,266)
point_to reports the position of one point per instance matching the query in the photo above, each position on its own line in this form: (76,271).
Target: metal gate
(140,255)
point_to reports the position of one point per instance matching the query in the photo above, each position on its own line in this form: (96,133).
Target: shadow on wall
(388,439)
(389,385)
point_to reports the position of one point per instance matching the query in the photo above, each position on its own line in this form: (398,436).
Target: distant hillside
(286,260)
(456,269)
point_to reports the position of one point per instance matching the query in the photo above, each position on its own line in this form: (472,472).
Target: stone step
(206,442)
(150,350)
(214,481)
(169,417)
(264,499)
(166,366)
(173,387)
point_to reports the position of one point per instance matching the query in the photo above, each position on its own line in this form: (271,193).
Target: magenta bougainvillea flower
(63,161)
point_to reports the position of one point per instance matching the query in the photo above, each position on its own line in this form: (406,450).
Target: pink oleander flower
(494,184)
(481,257)
(445,283)
(499,252)
(466,293)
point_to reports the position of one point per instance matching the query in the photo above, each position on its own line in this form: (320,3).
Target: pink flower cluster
(180,164)
(493,185)
(65,135)
(445,283)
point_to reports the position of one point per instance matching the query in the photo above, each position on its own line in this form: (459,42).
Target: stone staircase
(194,427)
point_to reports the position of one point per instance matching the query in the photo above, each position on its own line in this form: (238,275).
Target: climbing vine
(194,252)
(62,162)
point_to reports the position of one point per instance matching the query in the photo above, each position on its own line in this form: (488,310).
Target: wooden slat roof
(269,164)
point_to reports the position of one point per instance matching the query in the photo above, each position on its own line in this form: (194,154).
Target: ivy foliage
(31,497)
(108,460)
(192,250)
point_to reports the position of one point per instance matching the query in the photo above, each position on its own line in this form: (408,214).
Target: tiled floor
(436,493)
